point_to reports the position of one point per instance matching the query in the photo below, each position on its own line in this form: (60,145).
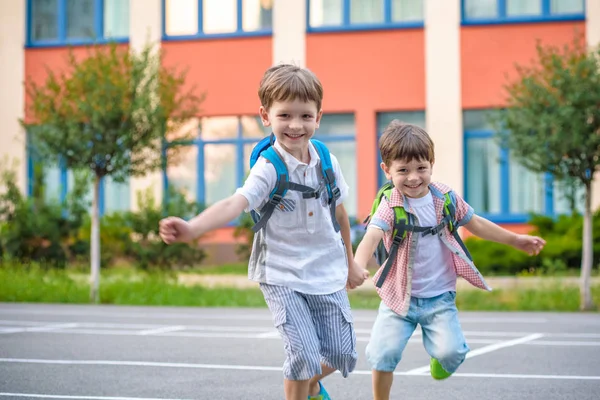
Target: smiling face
(412,178)
(293,122)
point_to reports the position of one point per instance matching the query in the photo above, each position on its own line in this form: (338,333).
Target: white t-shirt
(298,248)
(433,268)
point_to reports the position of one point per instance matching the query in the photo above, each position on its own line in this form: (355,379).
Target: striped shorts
(315,329)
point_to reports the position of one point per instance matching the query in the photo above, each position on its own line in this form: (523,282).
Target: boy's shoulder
(441,187)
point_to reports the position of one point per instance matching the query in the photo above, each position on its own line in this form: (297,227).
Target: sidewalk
(496,282)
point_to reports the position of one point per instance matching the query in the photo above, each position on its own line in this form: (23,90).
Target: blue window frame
(499,188)
(195,19)
(58,179)
(343,15)
(76,22)
(482,12)
(216,161)
(383,119)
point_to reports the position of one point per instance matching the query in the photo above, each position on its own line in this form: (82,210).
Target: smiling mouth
(293,136)
(413,187)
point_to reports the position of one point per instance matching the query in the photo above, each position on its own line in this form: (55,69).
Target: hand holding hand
(356,275)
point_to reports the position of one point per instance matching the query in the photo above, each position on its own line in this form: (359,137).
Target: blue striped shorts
(315,329)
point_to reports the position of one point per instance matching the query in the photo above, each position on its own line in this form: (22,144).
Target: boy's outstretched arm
(356,276)
(173,229)
(488,230)
(367,246)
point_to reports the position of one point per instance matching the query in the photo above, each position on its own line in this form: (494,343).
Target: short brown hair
(402,141)
(285,82)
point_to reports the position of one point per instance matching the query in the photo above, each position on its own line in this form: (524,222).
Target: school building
(440,64)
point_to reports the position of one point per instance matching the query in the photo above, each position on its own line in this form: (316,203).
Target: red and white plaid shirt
(396,289)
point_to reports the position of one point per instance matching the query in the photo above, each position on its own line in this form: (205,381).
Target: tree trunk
(95,243)
(586,303)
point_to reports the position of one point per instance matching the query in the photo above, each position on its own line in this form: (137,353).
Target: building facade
(440,64)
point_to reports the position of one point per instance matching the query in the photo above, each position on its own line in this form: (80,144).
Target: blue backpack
(282,185)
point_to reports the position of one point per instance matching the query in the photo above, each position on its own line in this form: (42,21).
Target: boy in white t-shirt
(420,286)
(302,262)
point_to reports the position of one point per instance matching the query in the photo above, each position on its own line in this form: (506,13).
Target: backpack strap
(449,213)
(329,177)
(282,185)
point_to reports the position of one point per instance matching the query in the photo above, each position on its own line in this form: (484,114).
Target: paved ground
(110,353)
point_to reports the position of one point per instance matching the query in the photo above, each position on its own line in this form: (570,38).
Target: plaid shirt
(396,289)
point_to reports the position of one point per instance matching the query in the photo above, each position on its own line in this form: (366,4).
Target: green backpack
(404,222)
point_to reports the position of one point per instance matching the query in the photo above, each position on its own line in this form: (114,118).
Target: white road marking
(485,350)
(158,331)
(58,396)
(275,369)
(43,328)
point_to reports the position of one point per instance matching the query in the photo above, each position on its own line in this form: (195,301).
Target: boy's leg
(335,329)
(442,334)
(293,320)
(389,336)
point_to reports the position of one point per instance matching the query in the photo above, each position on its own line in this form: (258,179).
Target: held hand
(175,230)
(356,275)
(531,245)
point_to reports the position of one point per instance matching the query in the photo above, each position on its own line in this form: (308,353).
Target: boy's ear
(385,170)
(264,116)
(318,119)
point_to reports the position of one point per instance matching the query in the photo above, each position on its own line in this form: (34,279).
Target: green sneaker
(437,372)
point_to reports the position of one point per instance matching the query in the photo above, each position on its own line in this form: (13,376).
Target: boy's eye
(283,115)
(307,116)
(402,170)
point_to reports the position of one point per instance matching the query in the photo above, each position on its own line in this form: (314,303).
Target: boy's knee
(383,357)
(451,358)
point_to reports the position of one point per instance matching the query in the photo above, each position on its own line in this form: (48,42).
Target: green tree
(552,124)
(108,113)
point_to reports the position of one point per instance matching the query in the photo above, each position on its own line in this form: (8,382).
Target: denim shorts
(442,334)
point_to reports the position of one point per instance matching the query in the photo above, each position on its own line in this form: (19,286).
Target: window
(506,11)
(58,180)
(217,160)
(327,15)
(496,186)
(384,118)
(68,22)
(199,18)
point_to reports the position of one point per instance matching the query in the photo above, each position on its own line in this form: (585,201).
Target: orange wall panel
(489,54)
(377,70)
(38,60)
(227,70)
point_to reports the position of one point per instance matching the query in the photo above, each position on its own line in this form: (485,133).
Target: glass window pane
(44,20)
(181,17)
(188,130)
(252,127)
(410,117)
(219,171)
(483,175)
(480,8)
(345,152)
(89,196)
(474,120)
(116,18)
(515,8)
(407,10)
(216,128)
(567,6)
(336,125)
(182,170)
(565,198)
(219,16)
(257,15)
(80,19)
(366,11)
(326,12)
(527,190)
(52,187)
(116,196)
